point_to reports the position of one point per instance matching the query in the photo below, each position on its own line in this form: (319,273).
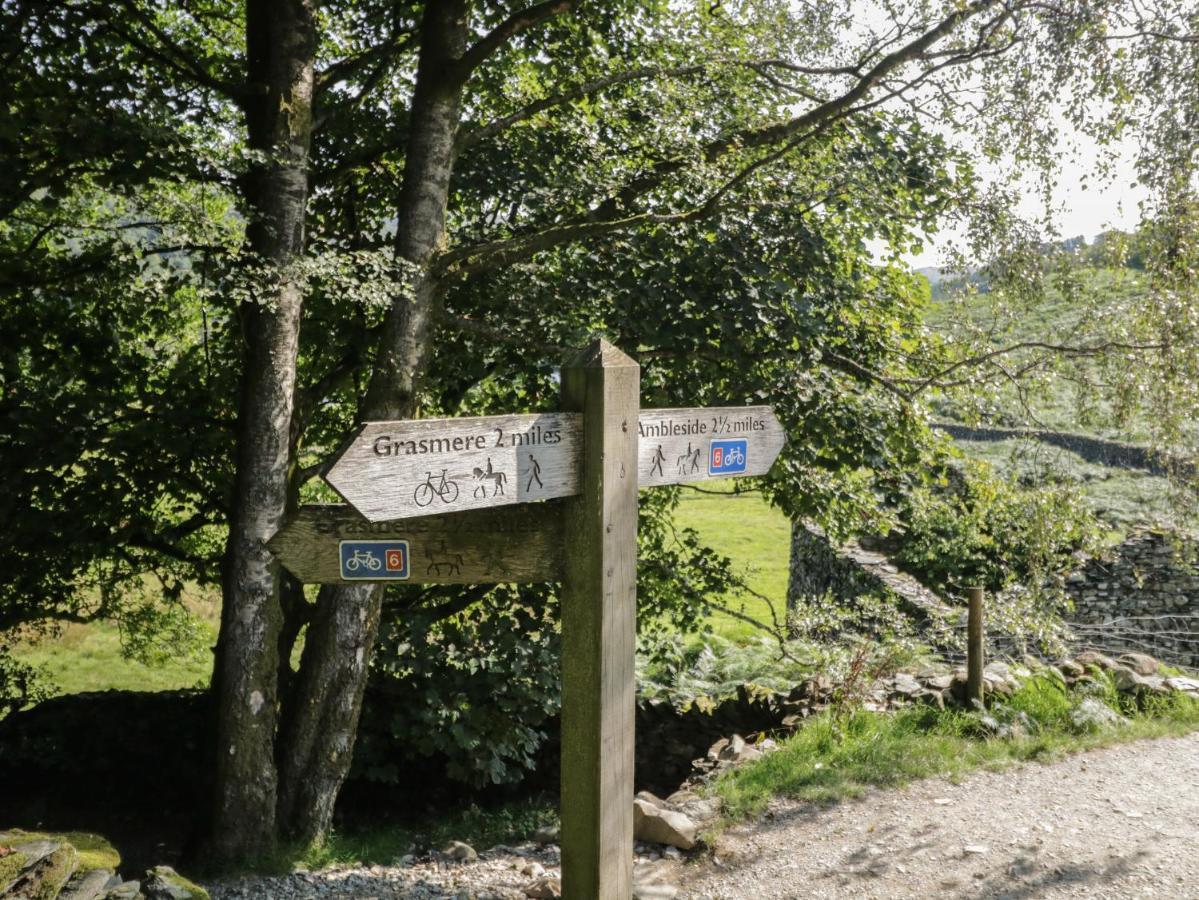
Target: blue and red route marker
(728,457)
(374,560)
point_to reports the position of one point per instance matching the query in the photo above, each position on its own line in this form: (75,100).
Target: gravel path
(1116,823)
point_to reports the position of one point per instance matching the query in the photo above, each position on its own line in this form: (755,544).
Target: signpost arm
(599,603)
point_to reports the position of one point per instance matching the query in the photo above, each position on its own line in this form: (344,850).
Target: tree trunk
(321,726)
(321,719)
(281,45)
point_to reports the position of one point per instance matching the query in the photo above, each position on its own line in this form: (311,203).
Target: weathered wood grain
(598,630)
(483,546)
(420,467)
(675,444)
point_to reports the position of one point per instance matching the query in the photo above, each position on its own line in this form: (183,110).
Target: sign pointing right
(695,444)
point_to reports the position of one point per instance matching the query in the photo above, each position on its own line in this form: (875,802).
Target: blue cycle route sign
(374,560)
(728,457)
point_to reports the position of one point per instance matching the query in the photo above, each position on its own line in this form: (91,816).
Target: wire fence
(1171,639)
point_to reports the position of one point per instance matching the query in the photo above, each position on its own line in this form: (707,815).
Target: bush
(21,684)
(477,687)
(978,529)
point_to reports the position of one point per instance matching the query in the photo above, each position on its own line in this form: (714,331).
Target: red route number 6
(395,560)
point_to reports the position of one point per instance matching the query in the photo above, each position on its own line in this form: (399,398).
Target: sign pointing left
(422,467)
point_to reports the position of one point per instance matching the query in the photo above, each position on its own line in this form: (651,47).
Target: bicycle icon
(363,558)
(734,457)
(430,489)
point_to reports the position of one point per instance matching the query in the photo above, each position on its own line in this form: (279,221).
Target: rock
(905,685)
(698,809)
(662,826)
(548,834)
(939,682)
(460,852)
(716,749)
(126,890)
(653,799)
(35,849)
(1070,669)
(1092,715)
(1090,658)
(931,698)
(88,886)
(1140,663)
(44,877)
(1130,682)
(545,889)
(164,883)
(1188,685)
(998,671)
(737,751)
(533,870)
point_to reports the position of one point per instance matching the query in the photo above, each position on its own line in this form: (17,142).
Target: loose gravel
(1116,823)
(1121,822)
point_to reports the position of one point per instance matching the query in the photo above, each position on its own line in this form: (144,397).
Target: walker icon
(374,560)
(728,457)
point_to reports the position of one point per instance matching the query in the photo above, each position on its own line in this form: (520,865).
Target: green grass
(832,759)
(88,658)
(756,537)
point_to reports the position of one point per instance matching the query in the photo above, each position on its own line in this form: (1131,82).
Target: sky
(1083,205)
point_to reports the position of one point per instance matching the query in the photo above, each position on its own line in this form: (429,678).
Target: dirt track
(1114,823)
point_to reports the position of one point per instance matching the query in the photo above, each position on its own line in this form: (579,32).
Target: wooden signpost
(393,470)
(432,502)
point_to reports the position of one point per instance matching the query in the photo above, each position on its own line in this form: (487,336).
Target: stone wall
(1143,595)
(819,567)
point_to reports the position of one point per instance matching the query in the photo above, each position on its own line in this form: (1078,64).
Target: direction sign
(331,544)
(393,470)
(680,445)
(402,478)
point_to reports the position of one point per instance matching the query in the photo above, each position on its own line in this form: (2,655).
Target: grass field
(89,657)
(756,537)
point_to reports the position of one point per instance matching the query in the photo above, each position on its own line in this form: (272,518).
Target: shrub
(978,529)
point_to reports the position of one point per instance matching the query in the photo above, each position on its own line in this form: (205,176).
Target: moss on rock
(11,866)
(95,852)
(164,882)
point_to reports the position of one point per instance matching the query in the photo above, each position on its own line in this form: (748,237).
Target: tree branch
(171,54)
(513,26)
(605,217)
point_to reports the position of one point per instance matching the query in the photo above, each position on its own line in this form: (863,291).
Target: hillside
(1056,427)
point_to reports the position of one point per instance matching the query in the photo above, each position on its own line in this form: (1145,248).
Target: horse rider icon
(659,458)
(534,474)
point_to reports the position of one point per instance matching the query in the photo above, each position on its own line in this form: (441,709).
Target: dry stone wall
(1143,595)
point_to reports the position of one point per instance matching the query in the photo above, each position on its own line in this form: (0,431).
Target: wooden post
(974,646)
(599,601)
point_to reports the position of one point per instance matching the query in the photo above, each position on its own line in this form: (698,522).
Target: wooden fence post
(974,646)
(599,601)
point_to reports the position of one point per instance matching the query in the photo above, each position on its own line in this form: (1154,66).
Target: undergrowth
(837,757)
